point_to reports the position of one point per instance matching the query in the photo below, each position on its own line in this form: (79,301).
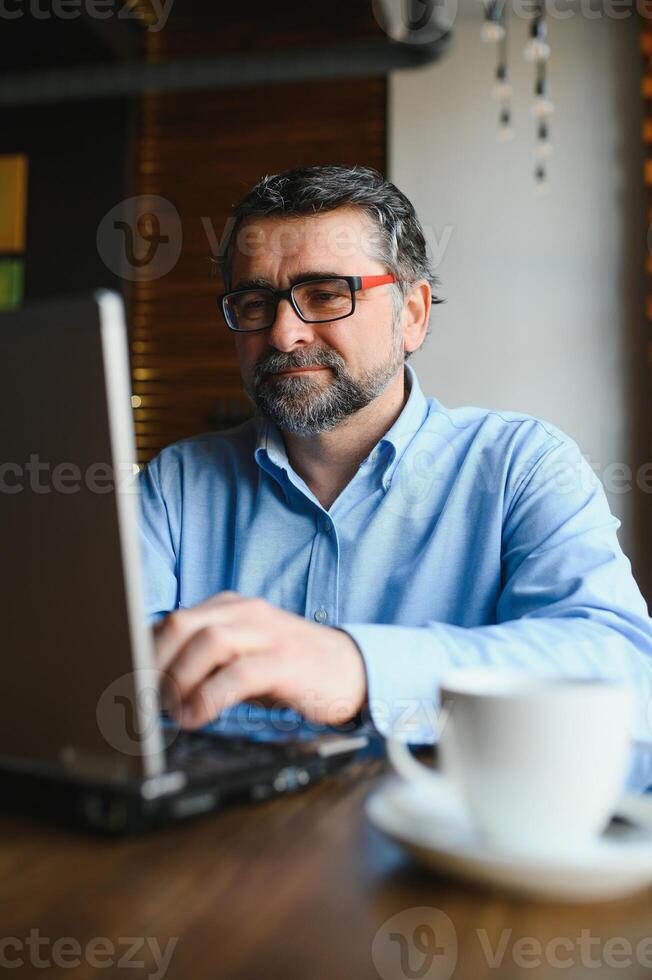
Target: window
(13,209)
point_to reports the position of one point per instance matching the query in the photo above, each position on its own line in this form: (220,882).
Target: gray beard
(307,407)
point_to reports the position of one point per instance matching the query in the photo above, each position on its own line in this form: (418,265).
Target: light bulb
(544,146)
(492,31)
(536,50)
(505,130)
(542,107)
(502,88)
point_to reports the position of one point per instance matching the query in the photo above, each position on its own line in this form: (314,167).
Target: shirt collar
(270,452)
(401,434)
(270,448)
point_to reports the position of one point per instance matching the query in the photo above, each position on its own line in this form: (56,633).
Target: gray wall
(545,293)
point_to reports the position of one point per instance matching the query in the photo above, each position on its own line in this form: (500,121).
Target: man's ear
(416,315)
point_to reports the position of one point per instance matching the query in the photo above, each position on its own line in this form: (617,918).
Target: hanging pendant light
(493,28)
(502,86)
(505,128)
(544,147)
(543,106)
(537,48)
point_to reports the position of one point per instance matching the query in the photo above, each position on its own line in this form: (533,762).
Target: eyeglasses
(314,301)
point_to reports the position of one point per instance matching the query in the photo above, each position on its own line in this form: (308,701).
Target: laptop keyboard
(211,755)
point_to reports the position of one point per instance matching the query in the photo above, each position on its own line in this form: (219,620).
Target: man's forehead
(340,234)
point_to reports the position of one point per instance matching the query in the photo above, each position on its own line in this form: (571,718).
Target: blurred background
(130,129)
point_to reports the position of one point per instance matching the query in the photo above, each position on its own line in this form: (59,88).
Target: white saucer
(616,864)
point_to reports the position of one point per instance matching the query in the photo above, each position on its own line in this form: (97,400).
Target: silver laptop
(82,735)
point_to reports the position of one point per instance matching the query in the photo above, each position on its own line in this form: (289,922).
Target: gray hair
(399,239)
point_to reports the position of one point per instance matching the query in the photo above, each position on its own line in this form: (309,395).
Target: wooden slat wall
(202,152)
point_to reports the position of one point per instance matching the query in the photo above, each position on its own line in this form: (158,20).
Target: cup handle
(440,789)
(636,809)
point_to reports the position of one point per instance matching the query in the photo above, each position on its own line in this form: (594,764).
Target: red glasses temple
(366,282)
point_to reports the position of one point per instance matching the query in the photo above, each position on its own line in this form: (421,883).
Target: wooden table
(298,888)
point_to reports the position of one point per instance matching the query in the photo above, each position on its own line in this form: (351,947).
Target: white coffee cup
(538,764)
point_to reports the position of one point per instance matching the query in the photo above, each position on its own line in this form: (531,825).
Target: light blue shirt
(467,537)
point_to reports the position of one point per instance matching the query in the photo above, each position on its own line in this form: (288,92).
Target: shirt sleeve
(158,555)
(568,606)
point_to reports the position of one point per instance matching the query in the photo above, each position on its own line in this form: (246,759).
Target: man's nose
(289,330)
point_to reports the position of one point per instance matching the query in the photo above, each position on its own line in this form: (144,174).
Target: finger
(221,598)
(209,648)
(247,677)
(172,633)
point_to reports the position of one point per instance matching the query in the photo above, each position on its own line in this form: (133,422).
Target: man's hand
(231,648)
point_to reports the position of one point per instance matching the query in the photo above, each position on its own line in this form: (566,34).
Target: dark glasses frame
(355,283)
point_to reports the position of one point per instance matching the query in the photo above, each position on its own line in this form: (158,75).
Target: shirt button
(374,456)
(321,615)
(326,528)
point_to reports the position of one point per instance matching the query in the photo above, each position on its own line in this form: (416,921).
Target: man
(354,541)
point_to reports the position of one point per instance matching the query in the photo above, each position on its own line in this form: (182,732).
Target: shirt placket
(322,592)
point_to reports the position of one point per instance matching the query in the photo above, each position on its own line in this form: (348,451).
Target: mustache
(306,357)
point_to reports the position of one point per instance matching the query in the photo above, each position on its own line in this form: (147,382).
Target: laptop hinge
(164,784)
